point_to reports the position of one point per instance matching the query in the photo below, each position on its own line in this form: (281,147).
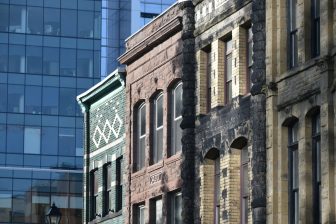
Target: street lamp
(53,215)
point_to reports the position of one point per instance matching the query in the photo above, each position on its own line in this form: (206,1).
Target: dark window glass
(96,60)
(244,184)
(16,98)
(68,62)
(76,187)
(84,63)
(108,188)
(50,100)
(5,206)
(97,25)
(17,62)
(315,26)
(293,172)
(4,14)
(2,138)
(34,59)
(158,129)
(68,22)
(85,24)
(21,212)
(17,21)
(35,20)
(141,137)
(49,161)
(217,191)
(3,57)
(67,102)
(249,59)
(292,30)
(32,160)
(176,117)
(119,183)
(94,194)
(14,139)
(14,159)
(228,71)
(79,142)
(156,211)
(208,77)
(33,100)
(67,142)
(316,162)
(51,61)
(51,21)
(3,98)
(175,208)
(139,214)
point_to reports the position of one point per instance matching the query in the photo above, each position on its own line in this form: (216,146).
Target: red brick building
(155,89)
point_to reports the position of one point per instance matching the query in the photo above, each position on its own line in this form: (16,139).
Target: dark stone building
(160,87)
(103,106)
(230,156)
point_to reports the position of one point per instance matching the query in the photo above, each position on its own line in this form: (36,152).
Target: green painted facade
(104,143)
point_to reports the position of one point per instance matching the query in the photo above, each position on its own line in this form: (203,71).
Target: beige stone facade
(296,95)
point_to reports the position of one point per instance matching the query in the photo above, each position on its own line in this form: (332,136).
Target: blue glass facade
(50,52)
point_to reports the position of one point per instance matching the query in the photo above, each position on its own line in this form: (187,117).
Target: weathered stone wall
(244,117)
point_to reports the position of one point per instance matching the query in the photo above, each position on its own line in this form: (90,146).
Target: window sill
(174,158)
(110,215)
(155,166)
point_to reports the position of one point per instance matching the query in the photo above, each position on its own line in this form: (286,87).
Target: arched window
(316,162)
(157,129)
(293,173)
(176,118)
(140,137)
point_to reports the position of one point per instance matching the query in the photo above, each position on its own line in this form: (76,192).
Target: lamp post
(53,215)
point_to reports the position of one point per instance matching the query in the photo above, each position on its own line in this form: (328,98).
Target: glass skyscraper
(50,52)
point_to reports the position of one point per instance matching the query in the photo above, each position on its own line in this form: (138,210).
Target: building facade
(157,85)
(50,51)
(300,62)
(230,155)
(104,111)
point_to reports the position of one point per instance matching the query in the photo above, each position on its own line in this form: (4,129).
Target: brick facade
(156,59)
(104,111)
(295,95)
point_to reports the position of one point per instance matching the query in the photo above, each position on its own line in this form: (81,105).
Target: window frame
(244,196)
(94,193)
(208,79)
(140,158)
(228,82)
(108,188)
(293,184)
(119,184)
(315,28)
(217,194)
(175,120)
(156,155)
(137,209)
(249,63)
(172,208)
(316,167)
(292,34)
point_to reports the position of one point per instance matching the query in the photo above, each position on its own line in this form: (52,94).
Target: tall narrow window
(292,30)
(316,144)
(175,213)
(228,71)
(108,187)
(141,137)
(158,129)
(244,185)
(217,191)
(94,193)
(249,59)
(119,184)
(208,78)
(176,115)
(139,214)
(315,27)
(156,211)
(293,173)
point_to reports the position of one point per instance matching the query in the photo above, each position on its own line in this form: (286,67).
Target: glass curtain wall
(49,53)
